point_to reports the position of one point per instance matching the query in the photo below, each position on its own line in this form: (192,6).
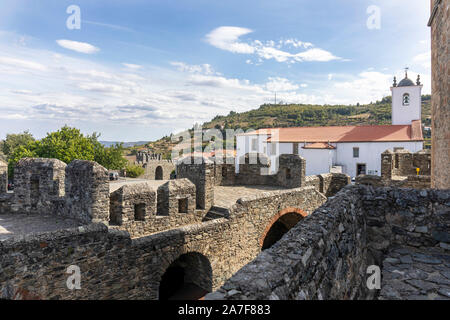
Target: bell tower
(406,100)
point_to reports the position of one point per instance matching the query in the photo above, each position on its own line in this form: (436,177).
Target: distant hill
(299,115)
(125,144)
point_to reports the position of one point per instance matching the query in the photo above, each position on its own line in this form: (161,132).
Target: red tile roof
(381,133)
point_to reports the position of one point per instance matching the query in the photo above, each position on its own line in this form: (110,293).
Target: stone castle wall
(158,170)
(440,94)
(115,266)
(200,171)
(38,184)
(3,177)
(414,182)
(326,256)
(87,191)
(398,169)
(405,163)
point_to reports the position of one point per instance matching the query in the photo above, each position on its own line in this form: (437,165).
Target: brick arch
(276,217)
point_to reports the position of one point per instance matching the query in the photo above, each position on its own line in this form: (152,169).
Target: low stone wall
(404,163)
(415,182)
(329,184)
(326,256)
(332,183)
(224,174)
(115,266)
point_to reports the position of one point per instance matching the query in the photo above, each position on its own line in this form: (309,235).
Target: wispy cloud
(81,47)
(132,66)
(21,63)
(202,69)
(228,38)
(108,25)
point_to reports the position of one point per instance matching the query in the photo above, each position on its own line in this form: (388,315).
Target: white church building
(352,150)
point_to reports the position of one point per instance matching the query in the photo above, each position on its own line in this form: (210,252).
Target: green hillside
(299,115)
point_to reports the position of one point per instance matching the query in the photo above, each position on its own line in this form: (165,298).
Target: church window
(406,99)
(254,144)
(355,152)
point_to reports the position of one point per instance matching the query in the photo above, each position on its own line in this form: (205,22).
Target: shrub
(134,171)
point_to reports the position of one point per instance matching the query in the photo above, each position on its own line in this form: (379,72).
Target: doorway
(360,169)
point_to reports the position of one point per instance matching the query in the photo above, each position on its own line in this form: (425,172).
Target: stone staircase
(216,213)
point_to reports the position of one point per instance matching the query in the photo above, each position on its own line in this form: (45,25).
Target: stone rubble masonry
(398,169)
(87,191)
(440,95)
(161,207)
(404,163)
(329,183)
(155,167)
(291,174)
(176,197)
(326,256)
(125,201)
(38,184)
(116,266)
(415,182)
(3,177)
(200,171)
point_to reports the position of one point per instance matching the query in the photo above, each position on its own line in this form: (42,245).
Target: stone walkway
(20,224)
(225,197)
(416,274)
(116,184)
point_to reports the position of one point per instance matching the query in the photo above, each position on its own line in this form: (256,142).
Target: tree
(68,144)
(13,141)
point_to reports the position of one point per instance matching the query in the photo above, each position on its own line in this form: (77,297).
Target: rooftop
(375,133)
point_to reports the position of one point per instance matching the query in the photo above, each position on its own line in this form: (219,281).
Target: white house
(352,150)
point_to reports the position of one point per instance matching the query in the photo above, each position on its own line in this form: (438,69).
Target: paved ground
(20,224)
(225,197)
(116,184)
(416,274)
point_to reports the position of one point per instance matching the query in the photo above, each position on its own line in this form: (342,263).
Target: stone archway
(159,173)
(189,277)
(281,223)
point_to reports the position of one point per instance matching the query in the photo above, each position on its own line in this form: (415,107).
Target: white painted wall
(406,114)
(320,160)
(317,160)
(369,153)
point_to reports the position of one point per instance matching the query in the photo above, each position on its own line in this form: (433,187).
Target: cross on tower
(406,72)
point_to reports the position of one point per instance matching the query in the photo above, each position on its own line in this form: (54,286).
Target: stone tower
(440,89)
(406,100)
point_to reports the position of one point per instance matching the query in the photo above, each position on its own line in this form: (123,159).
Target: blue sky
(138,70)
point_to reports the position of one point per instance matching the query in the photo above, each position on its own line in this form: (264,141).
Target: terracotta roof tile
(380,133)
